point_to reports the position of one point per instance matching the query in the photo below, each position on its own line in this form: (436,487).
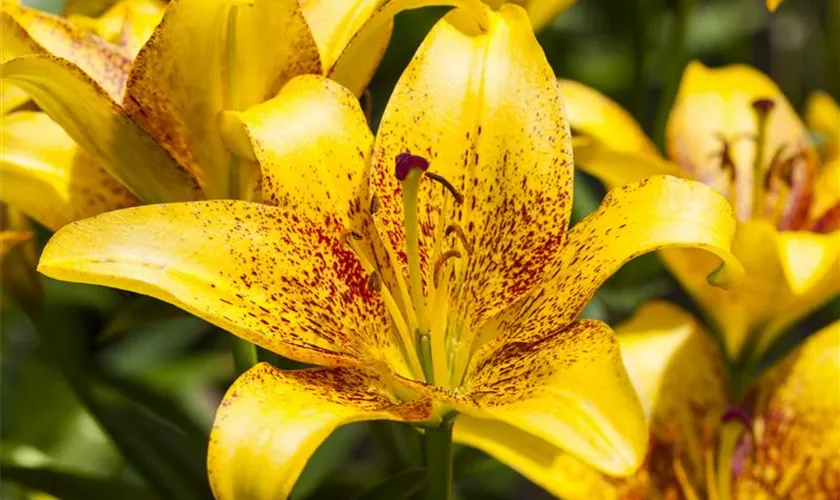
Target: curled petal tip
(728,274)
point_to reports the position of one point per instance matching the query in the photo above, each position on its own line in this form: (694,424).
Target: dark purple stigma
(733,412)
(763,106)
(405,162)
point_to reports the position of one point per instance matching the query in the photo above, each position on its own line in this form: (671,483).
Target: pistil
(762,108)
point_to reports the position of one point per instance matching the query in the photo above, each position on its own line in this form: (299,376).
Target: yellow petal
(593,114)
(772,5)
(333,26)
(281,279)
(48,177)
(128,23)
(90,8)
(101,127)
(656,213)
(568,388)
(541,12)
(10,239)
(796,455)
(557,471)
(822,114)
(618,168)
(29,31)
(680,377)
(717,103)
(766,302)
(466,103)
(212,55)
(271,421)
(11,97)
(826,190)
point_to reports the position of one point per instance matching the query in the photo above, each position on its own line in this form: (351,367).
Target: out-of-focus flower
(781,442)
(151,122)
(541,12)
(734,130)
(430,270)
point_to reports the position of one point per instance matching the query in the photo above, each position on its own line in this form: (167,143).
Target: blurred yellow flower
(541,12)
(430,270)
(781,442)
(734,130)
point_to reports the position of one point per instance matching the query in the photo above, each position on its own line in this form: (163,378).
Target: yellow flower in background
(146,128)
(783,442)
(429,271)
(541,12)
(732,129)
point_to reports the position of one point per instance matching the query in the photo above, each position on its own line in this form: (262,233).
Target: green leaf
(326,458)
(400,486)
(138,312)
(67,486)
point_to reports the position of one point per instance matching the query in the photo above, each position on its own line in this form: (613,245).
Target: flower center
(421,314)
(780,188)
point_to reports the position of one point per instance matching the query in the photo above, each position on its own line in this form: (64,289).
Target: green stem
(832,37)
(640,16)
(439,461)
(244,354)
(673,68)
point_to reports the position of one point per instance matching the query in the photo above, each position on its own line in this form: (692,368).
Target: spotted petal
(207,56)
(569,389)
(656,213)
(798,407)
(271,421)
(127,23)
(483,108)
(281,279)
(48,177)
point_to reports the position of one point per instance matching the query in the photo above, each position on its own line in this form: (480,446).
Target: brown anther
(449,254)
(448,185)
(374,204)
(351,234)
(763,106)
(374,283)
(455,228)
(406,162)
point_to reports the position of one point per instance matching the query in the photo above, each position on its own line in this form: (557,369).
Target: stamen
(459,198)
(727,164)
(762,108)
(461,236)
(682,479)
(374,283)
(374,204)
(351,234)
(445,256)
(709,461)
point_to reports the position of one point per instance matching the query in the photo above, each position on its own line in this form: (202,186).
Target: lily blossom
(429,271)
(734,130)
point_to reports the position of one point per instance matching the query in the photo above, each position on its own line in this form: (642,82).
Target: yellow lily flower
(782,443)
(430,270)
(153,122)
(732,129)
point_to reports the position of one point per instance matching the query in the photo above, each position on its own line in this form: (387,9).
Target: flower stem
(244,354)
(673,69)
(438,441)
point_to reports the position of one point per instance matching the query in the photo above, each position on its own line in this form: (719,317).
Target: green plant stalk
(438,441)
(673,69)
(244,354)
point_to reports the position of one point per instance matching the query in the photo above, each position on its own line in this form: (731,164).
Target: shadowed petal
(796,455)
(48,177)
(569,389)
(271,421)
(127,23)
(207,56)
(284,280)
(483,108)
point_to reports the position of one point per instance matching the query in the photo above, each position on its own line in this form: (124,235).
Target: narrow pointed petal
(280,279)
(127,23)
(208,56)
(49,178)
(333,26)
(609,143)
(541,12)
(798,405)
(822,115)
(716,104)
(656,213)
(767,301)
(271,421)
(568,388)
(100,126)
(826,192)
(467,103)
(29,31)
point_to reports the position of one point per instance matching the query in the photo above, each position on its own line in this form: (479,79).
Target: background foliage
(113,345)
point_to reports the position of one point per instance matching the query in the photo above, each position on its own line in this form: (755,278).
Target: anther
(459,198)
(374,204)
(374,283)
(351,234)
(406,162)
(461,236)
(445,256)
